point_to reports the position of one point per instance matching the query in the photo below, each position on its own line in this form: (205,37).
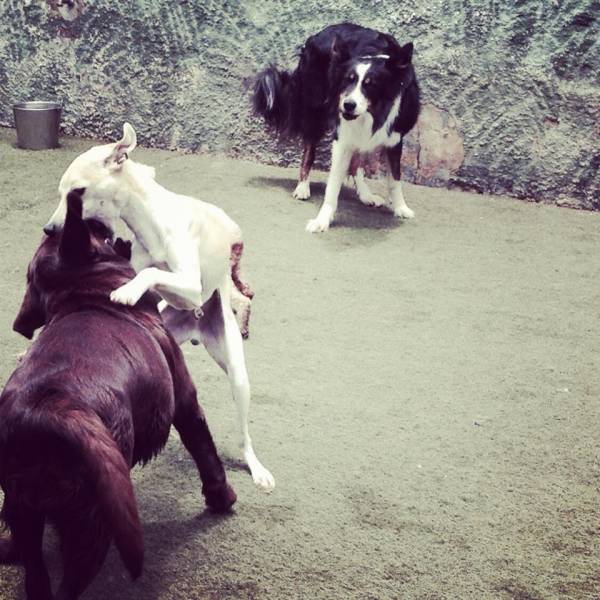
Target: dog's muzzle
(348,108)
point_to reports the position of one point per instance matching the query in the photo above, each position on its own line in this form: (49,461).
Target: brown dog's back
(69,416)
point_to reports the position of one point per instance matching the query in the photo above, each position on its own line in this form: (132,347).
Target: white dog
(186,250)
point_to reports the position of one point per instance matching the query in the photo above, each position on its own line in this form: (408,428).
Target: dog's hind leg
(223,340)
(84,541)
(8,551)
(365,195)
(195,436)
(27,528)
(302,191)
(241,306)
(8,547)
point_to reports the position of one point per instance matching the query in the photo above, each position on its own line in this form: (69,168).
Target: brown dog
(96,393)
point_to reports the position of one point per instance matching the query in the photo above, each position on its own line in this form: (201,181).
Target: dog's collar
(386,56)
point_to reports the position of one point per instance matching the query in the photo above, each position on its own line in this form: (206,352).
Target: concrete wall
(511,89)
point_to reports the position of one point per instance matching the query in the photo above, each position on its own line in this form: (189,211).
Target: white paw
(263,478)
(317,225)
(127,294)
(372,200)
(404,212)
(302,191)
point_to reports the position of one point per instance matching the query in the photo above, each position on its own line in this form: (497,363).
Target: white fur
(355,94)
(340,160)
(357,136)
(398,202)
(302,191)
(365,195)
(182,252)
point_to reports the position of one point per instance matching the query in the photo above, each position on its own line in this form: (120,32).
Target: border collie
(361,82)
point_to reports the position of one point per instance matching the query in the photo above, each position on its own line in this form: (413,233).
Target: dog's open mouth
(349,116)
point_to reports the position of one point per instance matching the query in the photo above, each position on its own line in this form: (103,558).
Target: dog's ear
(401,56)
(339,50)
(122,248)
(123,148)
(31,314)
(75,245)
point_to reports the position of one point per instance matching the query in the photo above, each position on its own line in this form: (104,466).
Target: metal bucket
(37,124)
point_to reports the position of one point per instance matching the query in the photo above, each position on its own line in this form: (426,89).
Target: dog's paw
(403,212)
(127,294)
(219,498)
(263,479)
(302,191)
(372,200)
(317,225)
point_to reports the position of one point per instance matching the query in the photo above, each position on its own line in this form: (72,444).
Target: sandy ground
(425,393)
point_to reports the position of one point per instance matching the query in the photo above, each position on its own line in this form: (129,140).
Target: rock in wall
(511,89)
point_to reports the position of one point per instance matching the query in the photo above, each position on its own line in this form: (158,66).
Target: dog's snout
(349,105)
(50,229)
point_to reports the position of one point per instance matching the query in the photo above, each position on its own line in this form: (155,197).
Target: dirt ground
(425,394)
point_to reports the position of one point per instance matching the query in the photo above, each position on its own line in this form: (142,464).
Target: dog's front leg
(340,161)
(181,290)
(394,156)
(140,257)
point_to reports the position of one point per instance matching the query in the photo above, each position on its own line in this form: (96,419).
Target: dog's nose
(349,105)
(49,229)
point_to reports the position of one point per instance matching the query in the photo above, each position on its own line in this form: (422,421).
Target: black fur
(304,102)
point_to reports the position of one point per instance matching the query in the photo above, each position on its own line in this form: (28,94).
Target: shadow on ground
(353,218)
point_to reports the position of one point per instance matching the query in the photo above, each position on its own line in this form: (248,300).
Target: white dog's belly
(174,300)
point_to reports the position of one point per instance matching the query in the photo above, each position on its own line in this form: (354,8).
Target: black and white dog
(361,82)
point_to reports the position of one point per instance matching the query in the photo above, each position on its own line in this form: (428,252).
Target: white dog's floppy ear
(123,147)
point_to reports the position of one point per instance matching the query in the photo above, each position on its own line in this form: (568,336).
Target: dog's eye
(108,241)
(368,81)
(351,77)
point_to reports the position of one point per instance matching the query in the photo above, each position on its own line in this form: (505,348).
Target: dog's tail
(237,250)
(273,99)
(58,439)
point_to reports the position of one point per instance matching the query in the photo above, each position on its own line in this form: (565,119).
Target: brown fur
(96,393)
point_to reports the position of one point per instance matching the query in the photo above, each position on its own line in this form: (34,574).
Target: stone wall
(511,89)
